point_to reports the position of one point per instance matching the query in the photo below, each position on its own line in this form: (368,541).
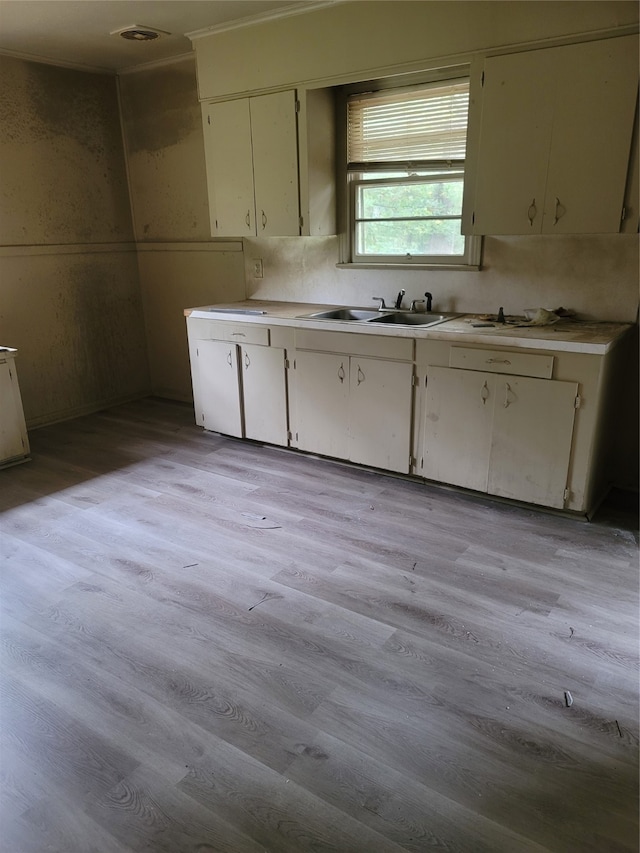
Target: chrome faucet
(415,302)
(399,299)
(381,306)
(429,299)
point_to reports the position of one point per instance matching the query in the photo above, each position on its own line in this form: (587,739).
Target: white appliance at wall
(14,441)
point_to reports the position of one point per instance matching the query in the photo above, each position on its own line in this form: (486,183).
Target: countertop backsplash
(595,276)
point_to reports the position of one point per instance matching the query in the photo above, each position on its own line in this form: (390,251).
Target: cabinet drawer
(239,333)
(502,361)
(374,346)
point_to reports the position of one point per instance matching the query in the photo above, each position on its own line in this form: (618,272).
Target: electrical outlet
(257,268)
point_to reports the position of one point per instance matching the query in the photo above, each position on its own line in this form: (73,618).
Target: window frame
(349,178)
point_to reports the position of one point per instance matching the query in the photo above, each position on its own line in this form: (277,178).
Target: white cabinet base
(14,441)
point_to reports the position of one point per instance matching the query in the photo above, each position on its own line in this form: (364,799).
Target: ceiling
(77,33)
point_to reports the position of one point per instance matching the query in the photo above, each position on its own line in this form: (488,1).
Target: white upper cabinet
(252,166)
(261,178)
(554,140)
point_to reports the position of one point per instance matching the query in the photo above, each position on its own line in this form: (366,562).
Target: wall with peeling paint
(63,178)
(180,266)
(162,127)
(69,287)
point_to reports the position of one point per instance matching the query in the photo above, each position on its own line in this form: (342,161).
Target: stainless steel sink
(343,314)
(370,315)
(410,318)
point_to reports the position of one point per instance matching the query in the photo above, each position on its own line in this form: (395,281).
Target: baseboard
(79,411)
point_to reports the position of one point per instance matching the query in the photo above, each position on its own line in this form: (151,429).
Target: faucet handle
(382,305)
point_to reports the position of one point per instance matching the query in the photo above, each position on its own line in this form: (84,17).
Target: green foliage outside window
(409,218)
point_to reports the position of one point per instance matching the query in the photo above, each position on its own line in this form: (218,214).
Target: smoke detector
(138,32)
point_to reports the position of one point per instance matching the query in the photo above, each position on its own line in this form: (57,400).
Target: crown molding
(156,63)
(261,18)
(60,63)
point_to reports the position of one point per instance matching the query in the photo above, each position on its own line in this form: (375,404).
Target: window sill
(444,267)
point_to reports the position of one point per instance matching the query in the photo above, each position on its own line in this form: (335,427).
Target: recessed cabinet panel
(227,131)
(238,333)
(554,141)
(502,361)
(322,393)
(531,439)
(506,435)
(458,422)
(517,119)
(275,164)
(591,139)
(380,413)
(251,153)
(219,387)
(264,393)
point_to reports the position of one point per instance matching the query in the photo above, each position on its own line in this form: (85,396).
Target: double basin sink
(366,315)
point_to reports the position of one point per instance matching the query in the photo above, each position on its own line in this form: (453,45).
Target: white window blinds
(429,123)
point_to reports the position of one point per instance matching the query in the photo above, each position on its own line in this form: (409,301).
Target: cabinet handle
(532,212)
(560,211)
(341,373)
(238,335)
(507,389)
(247,361)
(484,394)
(229,359)
(497,361)
(264,220)
(247,219)
(360,374)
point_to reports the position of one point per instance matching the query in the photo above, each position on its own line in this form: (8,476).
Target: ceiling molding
(156,63)
(288,12)
(61,63)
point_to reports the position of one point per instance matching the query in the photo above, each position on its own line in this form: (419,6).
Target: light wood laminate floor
(209,645)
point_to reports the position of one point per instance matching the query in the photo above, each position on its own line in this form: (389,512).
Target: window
(405,173)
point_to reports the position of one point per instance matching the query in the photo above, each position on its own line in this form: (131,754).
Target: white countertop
(566,335)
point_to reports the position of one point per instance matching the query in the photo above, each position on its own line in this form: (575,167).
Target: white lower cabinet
(14,441)
(239,389)
(322,399)
(219,399)
(506,435)
(264,391)
(380,405)
(526,423)
(353,407)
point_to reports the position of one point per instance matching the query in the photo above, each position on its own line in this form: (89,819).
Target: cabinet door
(14,442)
(275,164)
(515,135)
(531,440)
(264,394)
(457,428)
(554,141)
(218,387)
(380,396)
(227,132)
(597,85)
(322,390)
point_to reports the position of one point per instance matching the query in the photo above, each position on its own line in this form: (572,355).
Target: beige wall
(360,40)
(75,316)
(69,292)
(597,277)
(162,126)
(83,313)
(178,276)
